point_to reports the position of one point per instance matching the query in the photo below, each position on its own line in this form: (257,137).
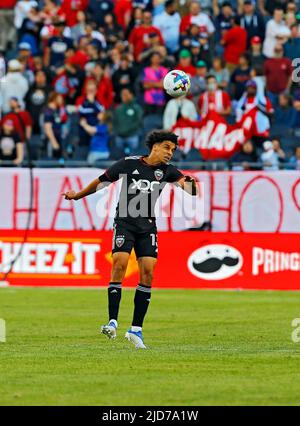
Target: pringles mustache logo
(215,262)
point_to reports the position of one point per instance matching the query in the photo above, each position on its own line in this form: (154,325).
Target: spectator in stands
(55,117)
(57,45)
(246,156)
(220,72)
(276,31)
(168,23)
(98,10)
(256,56)
(235,43)
(295,159)
(251,99)
(285,112)
(105,92)
(88,108)
(223,19)
(36,99)
(269,157)
(123,78)
(185,63)
(30,30)
(196,16)
(214,99)
(296,104)
(153,76)
(7,28)
(100,136)
(15,83)
(69,9)
(139,37)
(278,150)
(127,121)
(22,9)
(252,21)
(198,82)
(292,46)
(278,71)
(11,148)
(177,108)
(240,76)
(21,118)
(112,30)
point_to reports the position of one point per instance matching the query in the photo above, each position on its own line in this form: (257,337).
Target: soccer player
(135,225)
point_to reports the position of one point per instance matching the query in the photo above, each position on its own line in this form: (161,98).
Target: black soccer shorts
(144,244)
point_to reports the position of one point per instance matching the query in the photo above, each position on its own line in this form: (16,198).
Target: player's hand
(70,195)
(192,181)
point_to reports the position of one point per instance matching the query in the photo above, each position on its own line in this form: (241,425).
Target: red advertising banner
(186,260)
(213,136)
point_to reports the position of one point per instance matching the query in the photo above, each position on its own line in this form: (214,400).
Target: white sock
(136,329)
(115,322)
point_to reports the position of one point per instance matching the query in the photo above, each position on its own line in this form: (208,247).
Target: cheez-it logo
(60,256)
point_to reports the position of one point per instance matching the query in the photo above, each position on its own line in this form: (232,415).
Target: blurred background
(82,79)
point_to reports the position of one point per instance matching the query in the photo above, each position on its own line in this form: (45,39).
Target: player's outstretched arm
(94,186)
(189,185)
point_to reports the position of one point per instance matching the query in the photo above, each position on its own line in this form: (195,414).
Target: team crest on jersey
(158,174)
(120,240)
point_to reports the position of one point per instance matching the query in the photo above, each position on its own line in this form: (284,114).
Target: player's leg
(123,242)
(146,251)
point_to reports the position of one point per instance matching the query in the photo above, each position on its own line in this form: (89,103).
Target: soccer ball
(177,83)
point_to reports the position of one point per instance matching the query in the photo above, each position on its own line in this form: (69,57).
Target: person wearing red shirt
(7,27)
(214,99)
(185,63)
(235,43)
(123,12)
(253,99)
(278,72)
(139,36)
(70,8)
(105,91)
(22,119)
(196,16)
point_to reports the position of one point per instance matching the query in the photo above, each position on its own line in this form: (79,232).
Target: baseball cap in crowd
(169,3)
(201,64)
(185,54)
(255,40)
(226,4)
(297,96)
(9,123)
(267,145)
(14,65)
(24,46)
(195,43)
(251,83)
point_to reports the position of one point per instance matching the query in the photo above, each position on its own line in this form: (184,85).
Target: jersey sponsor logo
(120,240)
(143,185)
(158,174)
(215,262)
(136,172)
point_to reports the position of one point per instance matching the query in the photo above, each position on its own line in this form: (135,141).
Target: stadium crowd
(83,79)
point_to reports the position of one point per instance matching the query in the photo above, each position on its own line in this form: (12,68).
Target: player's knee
(147,276)
(119,269)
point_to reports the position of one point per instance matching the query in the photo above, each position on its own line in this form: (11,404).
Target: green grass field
(205,348)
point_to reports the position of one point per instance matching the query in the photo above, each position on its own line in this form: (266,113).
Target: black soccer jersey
(141,187)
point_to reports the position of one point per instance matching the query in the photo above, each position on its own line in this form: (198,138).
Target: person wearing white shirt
(178,107)
(276,31)
(168,23)
(22,9)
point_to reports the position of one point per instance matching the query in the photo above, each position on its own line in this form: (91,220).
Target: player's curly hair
(159,136)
